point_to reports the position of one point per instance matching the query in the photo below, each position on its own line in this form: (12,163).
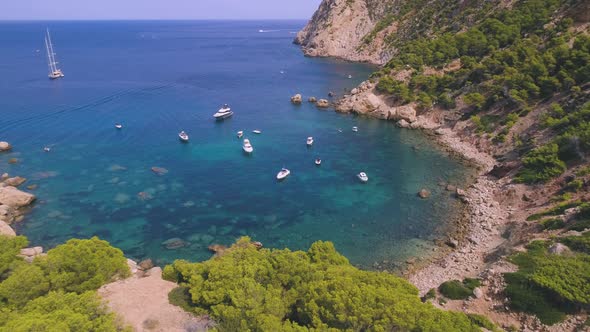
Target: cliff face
(337,30)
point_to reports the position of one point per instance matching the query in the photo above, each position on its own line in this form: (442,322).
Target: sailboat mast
(53,62)
(49,62)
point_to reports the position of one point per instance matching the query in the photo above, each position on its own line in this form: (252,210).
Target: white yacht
(318,161)
(363,177)
(54,72)
(223,113)
(355,129)
(240,134)
(256,131)
(118,126)
(183,136)
(247,146)
(309,141)
(283,174)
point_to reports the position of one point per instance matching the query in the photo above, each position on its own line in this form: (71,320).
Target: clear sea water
(158,78)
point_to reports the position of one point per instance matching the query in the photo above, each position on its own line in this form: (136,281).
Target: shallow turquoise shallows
(158,78)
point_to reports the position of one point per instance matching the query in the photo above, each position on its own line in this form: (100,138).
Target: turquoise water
(158,78)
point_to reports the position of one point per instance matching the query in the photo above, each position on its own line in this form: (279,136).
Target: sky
(156,9)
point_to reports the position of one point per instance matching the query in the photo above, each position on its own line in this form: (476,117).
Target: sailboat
(54,72)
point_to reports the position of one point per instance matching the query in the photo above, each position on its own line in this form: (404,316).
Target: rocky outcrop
(312,99)
(338,29)
(15,198)
(5,146)
(296,99)
(424,193)
(5,229)
(175,243)
(366,100)
(323,103)
(15,181)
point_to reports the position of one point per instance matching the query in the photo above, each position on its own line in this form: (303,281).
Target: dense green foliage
(578,243)
(457,290)
(511,60)
(549,285)
(247,289)
(57,292)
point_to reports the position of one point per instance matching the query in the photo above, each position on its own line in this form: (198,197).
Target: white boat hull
(283,175)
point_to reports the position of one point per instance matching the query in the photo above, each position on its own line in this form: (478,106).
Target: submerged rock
(5,146)
(312,99)
(15,181)
(12,160)
(159,170)
(424,193)
(175,243)
(296,99)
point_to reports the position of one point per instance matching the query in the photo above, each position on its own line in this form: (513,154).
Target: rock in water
(424,193)
(15,181)
(15,198)
(159,170)
(312,99)
(5,146)
(296,99)
(6,230)
(403,124)
(12,160)
(323,103)
(174,243)
(146,264)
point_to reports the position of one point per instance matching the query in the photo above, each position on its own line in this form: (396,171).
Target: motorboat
(247,146)
(183,136)
(256,131)
(223,113)
(349,76)
(363,177)
(355,129)
(309,141)
(240,134)
(283,174)
(46,149)
(118,126)
(318,161)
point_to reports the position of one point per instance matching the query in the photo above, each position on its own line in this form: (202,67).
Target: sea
(157,78)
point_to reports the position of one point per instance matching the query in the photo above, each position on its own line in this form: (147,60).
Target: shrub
(280,290)
(457,290)
(553,223)
(9,249)
(578,243)
(541,165)
(474,99)
(82,265)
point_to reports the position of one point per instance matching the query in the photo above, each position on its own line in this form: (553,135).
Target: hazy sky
(156,9)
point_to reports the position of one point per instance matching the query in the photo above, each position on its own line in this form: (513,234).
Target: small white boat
(318,161)
(283,174)
(223,113)
(355,129)
(339,130)
(309,141)
(256,131)
(240,134)
(118,126)
(183,136)
(363,177)
(46,149)
(349,76)
(247,146)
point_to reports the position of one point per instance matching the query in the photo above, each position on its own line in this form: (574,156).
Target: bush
(578,243)
(457,290)
(280,290)
(9,249)
(553,223)
(541,165)
(82,265)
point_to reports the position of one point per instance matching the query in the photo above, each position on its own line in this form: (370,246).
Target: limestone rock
(424,193)
(403,124)
(452,243)
(15,198)
(559,249)
(404,112)
(6,230)
(15,181)
(146,264)
(132,265)
(4,176)
(477,292)
(296,99)
(12,160)
(31,252)
(5,146)
(218,249)
(323,103)
(312,99)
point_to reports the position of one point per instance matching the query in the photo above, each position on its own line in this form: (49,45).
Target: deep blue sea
(158,78)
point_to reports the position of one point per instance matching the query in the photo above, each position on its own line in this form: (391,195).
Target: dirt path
(143,304)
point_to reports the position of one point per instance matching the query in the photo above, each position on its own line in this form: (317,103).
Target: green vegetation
(578,243)
(511,60)
(57,292)
(549,285)
(457,290)
(247,289)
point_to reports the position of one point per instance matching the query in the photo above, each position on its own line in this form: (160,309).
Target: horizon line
(152,19)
